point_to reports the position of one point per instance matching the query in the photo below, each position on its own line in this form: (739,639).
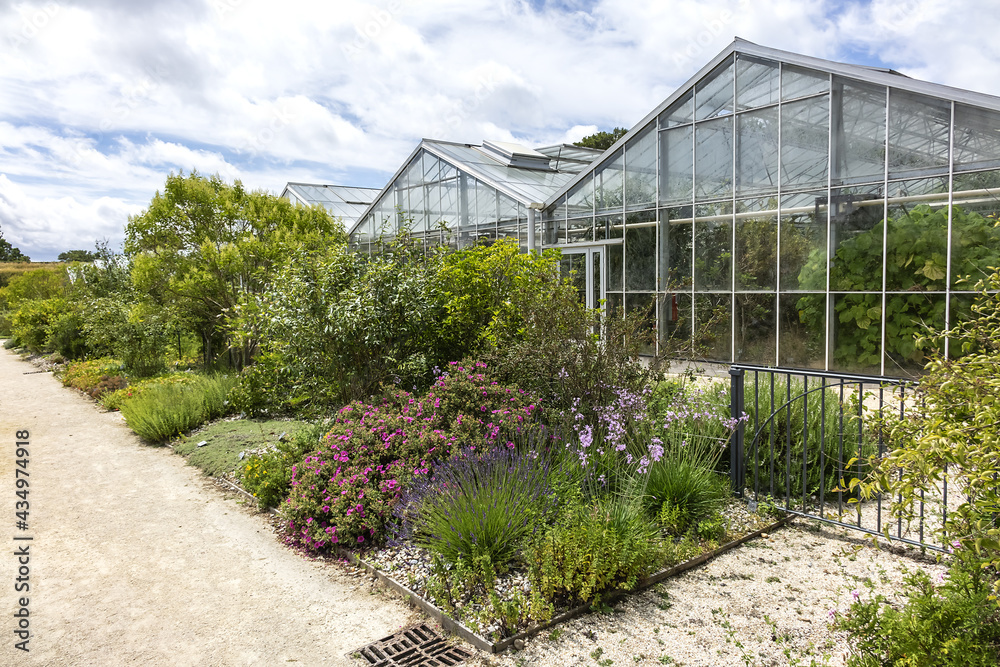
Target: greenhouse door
(585,268)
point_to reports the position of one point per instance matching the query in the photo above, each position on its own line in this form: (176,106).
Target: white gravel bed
(774,595)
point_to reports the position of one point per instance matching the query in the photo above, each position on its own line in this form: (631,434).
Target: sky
(100,100)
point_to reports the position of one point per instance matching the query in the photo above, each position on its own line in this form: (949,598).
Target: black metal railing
(805,434)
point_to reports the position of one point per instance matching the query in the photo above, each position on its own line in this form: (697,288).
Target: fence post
(737,465)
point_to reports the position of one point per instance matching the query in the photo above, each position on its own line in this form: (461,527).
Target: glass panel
(858,132)
(757,156)
(856,240)
(805,139)
(595,279)
(975,240)
(918,134)
(713,251)
(614,304)
(756,82)
(615,268)
(608,186)
(608,227)
(906,316)
(449,203)
(675,248)
(555,224)
(757,248)
(507,222)
(432,203)
(467,208)
(713,317)
(522,226)
(486,211)
(977,141)
(675,324)
(581,198)
(418,214)
(799,82)
(640,170)
(714,159)
(917,242)
(802,265)
(432,168)
(755,328)
(580,230)
(640,257)
(857,333)
(802,328)
(680,112)
(676,164)
(645,306)
(713,95)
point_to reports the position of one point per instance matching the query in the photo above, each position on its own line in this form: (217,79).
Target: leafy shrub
(165,410)
(268,476)
(478,506)
(87,375)
(595,548)
(130,331)
(66,336)
(950,622)
(33,320)
(344,492)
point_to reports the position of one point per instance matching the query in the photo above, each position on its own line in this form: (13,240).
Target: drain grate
(416,646)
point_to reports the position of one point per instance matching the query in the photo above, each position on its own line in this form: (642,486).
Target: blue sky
(102,99)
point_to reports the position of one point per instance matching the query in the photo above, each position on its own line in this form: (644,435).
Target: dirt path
(137,559)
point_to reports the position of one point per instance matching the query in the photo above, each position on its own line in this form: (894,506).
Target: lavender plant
(479,506)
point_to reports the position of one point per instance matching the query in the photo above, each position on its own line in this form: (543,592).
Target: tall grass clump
(166,410)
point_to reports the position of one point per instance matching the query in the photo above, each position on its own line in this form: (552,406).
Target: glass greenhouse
(777,209)
(341,201)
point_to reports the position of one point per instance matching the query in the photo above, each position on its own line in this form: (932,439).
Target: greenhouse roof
(342,201)
(527,175)
(872,75)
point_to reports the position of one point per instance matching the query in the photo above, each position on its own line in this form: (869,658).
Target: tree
(9,253)
(602,140)
(203,245)
(77,256)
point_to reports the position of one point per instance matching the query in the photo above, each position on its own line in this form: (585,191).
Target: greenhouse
(777,209)
(341,201)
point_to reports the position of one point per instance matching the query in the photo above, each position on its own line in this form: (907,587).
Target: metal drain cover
(416,646)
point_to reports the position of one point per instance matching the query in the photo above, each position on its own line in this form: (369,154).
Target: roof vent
(516,155)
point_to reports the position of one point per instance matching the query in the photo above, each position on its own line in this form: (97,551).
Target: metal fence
(801,430)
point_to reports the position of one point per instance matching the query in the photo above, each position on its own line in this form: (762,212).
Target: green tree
(602,140)
(9,253)
(204,245)
(77,256)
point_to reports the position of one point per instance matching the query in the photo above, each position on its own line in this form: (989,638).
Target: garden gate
(801,430)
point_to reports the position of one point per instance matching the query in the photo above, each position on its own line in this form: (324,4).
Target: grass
(165,411)
(226,439)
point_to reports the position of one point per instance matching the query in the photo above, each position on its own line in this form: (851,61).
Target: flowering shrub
(88,375)
(343,493)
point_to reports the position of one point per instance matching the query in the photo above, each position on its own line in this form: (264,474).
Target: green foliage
(954,437)
(951,622)
(134,332)
(9,253)
(167,410)
(611,544)
(87,376)
(34,285)
(345,491)
(33,321)
(602,140)
(77,256)
(828,434)
(335,325)
(66,335)
(682,494)
(479,506)
(917,251)
(203,245)
(268,475)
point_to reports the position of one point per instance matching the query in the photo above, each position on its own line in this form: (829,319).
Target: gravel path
(137,559)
